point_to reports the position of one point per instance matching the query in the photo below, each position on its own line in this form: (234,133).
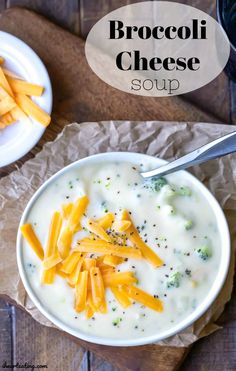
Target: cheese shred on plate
(15,101)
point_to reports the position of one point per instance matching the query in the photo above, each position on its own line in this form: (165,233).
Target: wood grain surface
(79,95)
(80,15)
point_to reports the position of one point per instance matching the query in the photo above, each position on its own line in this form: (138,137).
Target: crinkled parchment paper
(162,139)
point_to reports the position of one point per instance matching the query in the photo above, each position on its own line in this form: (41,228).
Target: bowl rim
(142,340)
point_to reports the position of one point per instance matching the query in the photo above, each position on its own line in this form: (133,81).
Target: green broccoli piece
(185,191)
(204,252)
(169,192)
(188,225)
(117,321)
(174,280)
(158,183)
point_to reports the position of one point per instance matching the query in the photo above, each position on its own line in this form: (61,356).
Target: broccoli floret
(174,280)
(204,252)
(185,191)
(117,321)
(158,183)
(168,191)
(188,224)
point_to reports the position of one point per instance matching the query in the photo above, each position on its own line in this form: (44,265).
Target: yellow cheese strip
(66,209)
(99,260)
(2,125)
(95,228)
(90,307)
(48,276)
(143,298)
(54,231)
(7,119)
(134,237)
(97,286)
(69,264)
(2,60)
(103,307)
(105,270)
(89,311)
(77,212)
(10,73)
(64,242)
(81,291)
(72,279)
(113,261)
(18,114)
(6,105)
(24,87)
(106,221)
(121,225)
(121,297)
(4,83)
(89,263)
(52,261)
(59,272)
(32,109)
(30,236)
(102,247)
(100,263)
(119,278)
(4,93)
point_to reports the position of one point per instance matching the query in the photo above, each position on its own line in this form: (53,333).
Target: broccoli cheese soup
(116,256)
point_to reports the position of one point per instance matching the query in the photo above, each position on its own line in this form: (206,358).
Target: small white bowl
(18,139)
(135,158)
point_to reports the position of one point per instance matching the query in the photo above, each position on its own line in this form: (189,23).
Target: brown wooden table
(21,338)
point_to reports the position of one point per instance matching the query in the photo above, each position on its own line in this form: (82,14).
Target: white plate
(19,138)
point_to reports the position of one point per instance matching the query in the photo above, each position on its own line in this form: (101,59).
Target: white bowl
(205,304)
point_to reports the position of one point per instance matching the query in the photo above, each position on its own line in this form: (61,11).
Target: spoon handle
(219,147)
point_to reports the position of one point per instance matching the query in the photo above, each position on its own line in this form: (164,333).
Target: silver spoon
(217,148)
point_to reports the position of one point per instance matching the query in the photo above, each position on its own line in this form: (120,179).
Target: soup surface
(172,217)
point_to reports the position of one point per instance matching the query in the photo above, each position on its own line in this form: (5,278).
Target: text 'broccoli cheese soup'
(113,255)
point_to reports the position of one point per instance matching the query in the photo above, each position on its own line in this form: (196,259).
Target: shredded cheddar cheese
(15,99)
(90,268)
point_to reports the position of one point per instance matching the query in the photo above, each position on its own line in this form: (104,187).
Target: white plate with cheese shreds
(18,62)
